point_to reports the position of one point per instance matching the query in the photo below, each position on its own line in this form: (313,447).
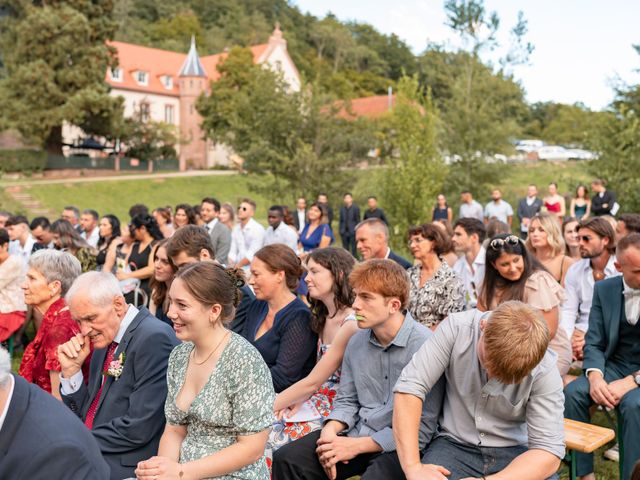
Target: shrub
(26,161)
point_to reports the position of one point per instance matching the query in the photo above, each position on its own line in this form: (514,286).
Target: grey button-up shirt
(369,371)
(487,413)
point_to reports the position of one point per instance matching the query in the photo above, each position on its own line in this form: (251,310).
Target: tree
(480,108)
(55,58)
(294,142)
(413,172)
(147,140)
(618,143)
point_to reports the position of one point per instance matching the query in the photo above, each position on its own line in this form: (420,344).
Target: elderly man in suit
(63,448)
(372,241)
(219,233)
(123,402)
(612,356)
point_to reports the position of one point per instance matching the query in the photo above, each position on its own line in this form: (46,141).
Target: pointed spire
(277,37)
(192,66)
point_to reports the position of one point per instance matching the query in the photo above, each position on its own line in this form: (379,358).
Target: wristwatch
(636,378)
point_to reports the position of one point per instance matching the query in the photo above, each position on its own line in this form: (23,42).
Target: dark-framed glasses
(498,243)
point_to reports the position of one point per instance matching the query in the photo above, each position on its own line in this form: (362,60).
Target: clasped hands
(333,448)
(609,394)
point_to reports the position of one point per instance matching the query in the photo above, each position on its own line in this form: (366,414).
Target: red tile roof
(370,107)
(158,63)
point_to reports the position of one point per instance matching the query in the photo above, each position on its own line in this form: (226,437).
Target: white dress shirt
(578,285)
(93,238)
(72,385)
(3,415)
(23,251)
(209,226)
(472,276)
(246,241)
(302,219)
(283,234)
(631,303)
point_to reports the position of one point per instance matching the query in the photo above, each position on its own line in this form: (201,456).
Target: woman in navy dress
(278,322)
(316,233)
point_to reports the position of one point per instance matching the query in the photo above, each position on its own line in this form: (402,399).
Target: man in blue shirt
(357,437)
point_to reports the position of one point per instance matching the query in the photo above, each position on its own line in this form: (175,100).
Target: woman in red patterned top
(49,276)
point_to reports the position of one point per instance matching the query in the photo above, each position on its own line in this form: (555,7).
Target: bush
(26,161)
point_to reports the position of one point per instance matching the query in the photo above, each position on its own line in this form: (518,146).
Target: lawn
(116,197)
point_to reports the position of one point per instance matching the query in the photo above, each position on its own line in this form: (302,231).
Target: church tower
(193,82)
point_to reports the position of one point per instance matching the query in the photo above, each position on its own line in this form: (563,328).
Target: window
(142,78)
(168,82)
(145,111)
(116,74)
(168,114)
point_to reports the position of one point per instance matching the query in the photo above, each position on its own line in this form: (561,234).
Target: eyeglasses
(584,238)
(498,243)
(415,240)
(244,209)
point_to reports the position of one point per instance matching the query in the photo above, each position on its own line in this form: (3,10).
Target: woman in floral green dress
(220,395)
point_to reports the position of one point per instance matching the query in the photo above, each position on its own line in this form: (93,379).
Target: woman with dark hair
(316,232)
(512,273)
(163,273)
(436,291)
(227,215)
(310,400)
(442,210)
(570,235)
(219,395)
(278,322)
(145,232)
(447,230)
(580,207)
(184,216)
(67,239)
(109,230)
(163,218)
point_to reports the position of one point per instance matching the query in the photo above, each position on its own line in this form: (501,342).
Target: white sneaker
(613,453)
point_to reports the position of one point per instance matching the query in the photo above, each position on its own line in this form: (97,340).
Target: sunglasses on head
(244,209)
(498,243)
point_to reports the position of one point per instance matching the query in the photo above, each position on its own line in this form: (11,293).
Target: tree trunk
(53,143)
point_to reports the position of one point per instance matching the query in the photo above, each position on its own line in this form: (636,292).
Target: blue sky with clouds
(582,47)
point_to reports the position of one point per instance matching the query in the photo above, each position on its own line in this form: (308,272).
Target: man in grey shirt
(469,208)
(503,406)
(357,438)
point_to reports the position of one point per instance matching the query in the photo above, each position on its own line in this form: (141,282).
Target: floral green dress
(236,400)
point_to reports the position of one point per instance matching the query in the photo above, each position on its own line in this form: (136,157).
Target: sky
(582,47)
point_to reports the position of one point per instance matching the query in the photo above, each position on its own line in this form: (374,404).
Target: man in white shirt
(468,235)
(219,233)
(41,231)
(22,241)
(469,208)
(597,247)
(89,222)
(300,217)
(498,208)
(247,236)
(278,231)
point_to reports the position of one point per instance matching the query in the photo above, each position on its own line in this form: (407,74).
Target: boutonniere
(115,367)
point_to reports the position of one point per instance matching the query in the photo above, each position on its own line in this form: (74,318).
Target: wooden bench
(584,438)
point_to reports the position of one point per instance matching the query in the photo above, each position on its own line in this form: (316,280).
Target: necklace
(193,352)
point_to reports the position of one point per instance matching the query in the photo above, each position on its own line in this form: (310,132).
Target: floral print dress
(283,432)
(437,298)
(236,400)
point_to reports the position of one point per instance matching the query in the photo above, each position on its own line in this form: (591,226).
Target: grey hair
(56,265)
(100,288)
(5,366)
(376,225)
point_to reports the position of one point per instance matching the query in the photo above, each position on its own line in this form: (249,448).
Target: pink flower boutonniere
(115,367)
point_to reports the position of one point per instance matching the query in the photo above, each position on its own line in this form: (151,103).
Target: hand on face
(72,354)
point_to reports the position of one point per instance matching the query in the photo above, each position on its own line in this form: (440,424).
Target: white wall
(279,55)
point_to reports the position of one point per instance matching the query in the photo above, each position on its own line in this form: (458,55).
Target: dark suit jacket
(349,218)
(41,439)
(607,311)
(528,211)
(296,220)
(130,417)
(399,260)
(221,240)
(597,208)
(377,213)
(237,325)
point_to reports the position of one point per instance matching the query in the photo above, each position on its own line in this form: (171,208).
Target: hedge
(22,160)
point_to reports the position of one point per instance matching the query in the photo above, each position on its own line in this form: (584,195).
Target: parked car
(553,153)
(580,154)
(528,146)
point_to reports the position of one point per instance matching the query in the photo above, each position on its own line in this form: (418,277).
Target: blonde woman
(546,243)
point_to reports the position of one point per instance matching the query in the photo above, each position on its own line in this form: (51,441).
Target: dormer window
(142,77)
(116,74)
(167,81)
